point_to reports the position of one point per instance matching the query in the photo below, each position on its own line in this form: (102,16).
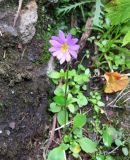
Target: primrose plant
(69,98)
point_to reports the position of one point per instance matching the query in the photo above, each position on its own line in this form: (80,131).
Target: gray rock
(7,29)
(28,19)
(25,25)
(1,0)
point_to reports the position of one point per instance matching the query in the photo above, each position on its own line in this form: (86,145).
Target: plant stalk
(66,95)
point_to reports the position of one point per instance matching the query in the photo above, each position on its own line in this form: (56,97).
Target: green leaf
(82,100)
(87,72)
(88,145)
(125,151)
(64,146)
(81,79)
(126,39)
(84,87)
(112,131)
(118,142)
(54,108)
(68,8)
(100,104)
(67,138)
(98,13)
(60,100)
(54,75)
(78,79)
(107,139)
(96,108)
(78,132)
(109,157)
(79,121)
(62,73)
(75,147)
(60,90)
(118,11)
(73,31)
(81,67)
(100,157)
(57,154)
(71,73)
(70,99)
(71,108)
(62,117)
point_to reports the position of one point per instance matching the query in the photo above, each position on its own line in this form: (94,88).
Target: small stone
(12,125)
(12,91)
(8,132)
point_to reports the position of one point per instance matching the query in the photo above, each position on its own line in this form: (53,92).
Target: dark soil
(24,90)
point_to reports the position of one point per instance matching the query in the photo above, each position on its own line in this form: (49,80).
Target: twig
(85,35)
(1,34)
(73,20)
(122,96)
(52,133)
(113,150)
(126,100)
(63,126)
(18,12)
(23,53)
(116,98)
(4,54)
(127,74)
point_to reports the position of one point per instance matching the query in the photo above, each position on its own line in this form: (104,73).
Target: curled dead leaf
(115,82)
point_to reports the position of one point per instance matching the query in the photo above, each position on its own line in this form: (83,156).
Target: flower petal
(62,36)
(68,57)
(75,40)
(73,54)
(62,60)
(69,37)
(53,49)
(55,43)
(74,47)
(57,39)
(60,55)
(55,54)
(72,41)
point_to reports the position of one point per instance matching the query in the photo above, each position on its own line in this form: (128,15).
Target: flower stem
(109,64)
(66,95)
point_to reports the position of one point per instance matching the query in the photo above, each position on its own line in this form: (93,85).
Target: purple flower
(64,48)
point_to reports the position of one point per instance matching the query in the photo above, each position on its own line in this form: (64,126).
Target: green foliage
(125,151)
(54,75)
(118,11)
(107,139)
(75,97)
(111,51)
(126,39)
(66,9)
(79,121)
(98,13)
(95,100)
(57,154)
(88,145)
(70,102)
(62,117)
(81,100)
(100,157)
(54,108)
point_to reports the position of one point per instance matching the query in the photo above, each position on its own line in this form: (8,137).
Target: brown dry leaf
(115,82)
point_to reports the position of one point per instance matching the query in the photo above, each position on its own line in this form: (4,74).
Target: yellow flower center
(64,47)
